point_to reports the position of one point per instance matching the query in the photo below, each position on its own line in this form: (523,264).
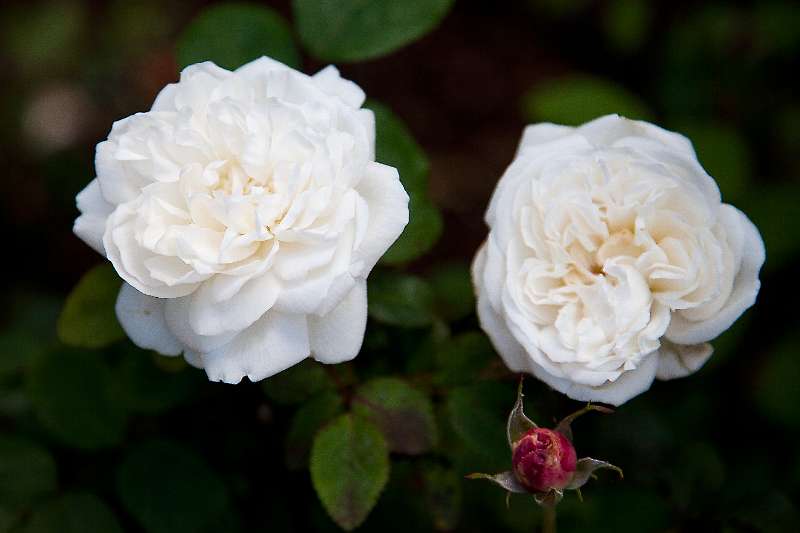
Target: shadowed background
(96,435)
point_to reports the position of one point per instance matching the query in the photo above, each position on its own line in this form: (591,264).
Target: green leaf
(423,231)
(44,37)
(349,468)
(616,508)
(170,489)
(395,146)
(306,421)
(143,387)
(74,513)
(404,414)
(400,299)
(27,471)
(233,34)
(88,319)
(355,30)
(574,100)
(443,496)
(8,519)
(420,355)
(16,350)
(627,23)
(462,359)
(558,8)
(298,383)
(724,154)
(452,286)
(770,210)
(777,392)
(774,26)
(74,398)
(477,414)
(29,332)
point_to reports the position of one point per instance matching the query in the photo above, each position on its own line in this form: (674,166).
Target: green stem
(548,519)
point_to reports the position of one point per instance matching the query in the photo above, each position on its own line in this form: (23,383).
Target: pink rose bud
(543,459)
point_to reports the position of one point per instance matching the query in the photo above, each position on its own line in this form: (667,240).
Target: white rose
(245,211)
(611,260)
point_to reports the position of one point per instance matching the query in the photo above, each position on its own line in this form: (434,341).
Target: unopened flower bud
(543,459)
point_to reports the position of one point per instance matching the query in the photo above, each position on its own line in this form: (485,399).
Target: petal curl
(745,289)
(142,318)
(630,384)
(209,315)
(387,201)
(329,80)
(681,360)
(511,351)
(337,336)
(274,343)
(176,313)
(94,208)
(543,132)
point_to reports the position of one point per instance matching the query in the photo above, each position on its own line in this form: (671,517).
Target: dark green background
(116,439)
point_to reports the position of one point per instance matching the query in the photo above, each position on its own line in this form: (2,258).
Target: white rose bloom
(244,212)
(611,260)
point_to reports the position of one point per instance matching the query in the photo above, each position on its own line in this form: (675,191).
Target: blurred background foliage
(99,436)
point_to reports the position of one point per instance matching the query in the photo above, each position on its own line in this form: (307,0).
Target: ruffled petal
(630,384)
(745,289)
(274,343)
(261,66)
(142,318)
(543,132)
(388,212)
(91,224)
(329,81)
(130,258)
(176,313)
(511,351)
(681,360)
(337,336)
(209,315)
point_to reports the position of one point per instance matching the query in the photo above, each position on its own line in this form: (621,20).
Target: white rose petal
(245,211)
(611,259)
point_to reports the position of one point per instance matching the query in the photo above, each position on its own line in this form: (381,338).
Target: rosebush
(98,433)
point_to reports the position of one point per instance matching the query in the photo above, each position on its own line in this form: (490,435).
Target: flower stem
(548,519)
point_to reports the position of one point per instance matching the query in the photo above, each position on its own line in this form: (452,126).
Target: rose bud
(543,459)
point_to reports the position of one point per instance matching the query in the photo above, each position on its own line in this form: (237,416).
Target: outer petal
(209,316)
(337,336)
(129,257)
(260,66)
(608,129)
(95,210)
(119,185)
(329,80)
(668,147)
(274,343)
(680,360)
(745,289)
(388,212)
(543,132)
(511,351)
(176,313)
(318,294)
(629,384)
(142,318)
